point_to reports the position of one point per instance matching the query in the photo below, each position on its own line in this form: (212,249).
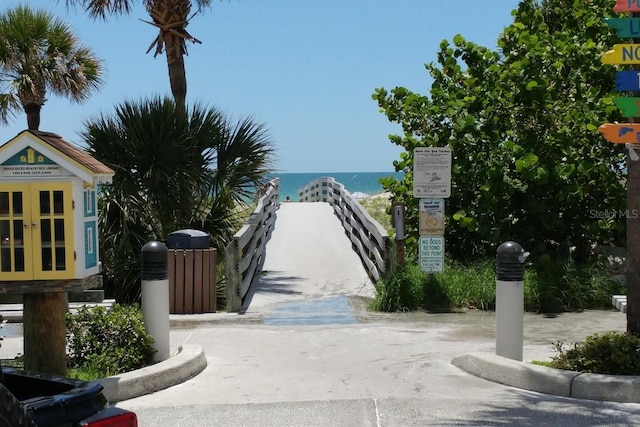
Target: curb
(187,363)
(612,388)
(620,302)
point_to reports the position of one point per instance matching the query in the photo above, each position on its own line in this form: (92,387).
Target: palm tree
(40,54)
(171,18)
(172,171)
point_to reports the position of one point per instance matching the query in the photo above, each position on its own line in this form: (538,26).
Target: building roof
(73,152)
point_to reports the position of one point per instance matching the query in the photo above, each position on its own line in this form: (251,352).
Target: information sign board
(431,172)
(431,254)
(431,216)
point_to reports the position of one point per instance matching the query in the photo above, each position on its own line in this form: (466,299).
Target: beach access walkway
(311,274)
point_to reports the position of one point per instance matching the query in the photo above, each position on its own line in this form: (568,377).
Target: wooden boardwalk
(308,258)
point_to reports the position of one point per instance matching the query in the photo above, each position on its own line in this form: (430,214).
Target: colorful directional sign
(628,81)
(625,27)
(622,54)
(621,133)
(630,107)
(627,6)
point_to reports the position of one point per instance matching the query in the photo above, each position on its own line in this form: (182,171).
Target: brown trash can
(192,280)
(192,273)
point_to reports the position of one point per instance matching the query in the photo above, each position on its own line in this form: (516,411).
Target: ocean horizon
(355,182)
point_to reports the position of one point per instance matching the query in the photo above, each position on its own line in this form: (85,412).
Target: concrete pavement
(384,370)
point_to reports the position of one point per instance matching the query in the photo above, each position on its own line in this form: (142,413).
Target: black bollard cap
(509,252)
(510,257)
(154,261)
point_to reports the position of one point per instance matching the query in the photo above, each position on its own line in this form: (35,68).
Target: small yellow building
(48,209)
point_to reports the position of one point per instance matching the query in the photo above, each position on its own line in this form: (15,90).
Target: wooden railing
(244,256)
(369,238)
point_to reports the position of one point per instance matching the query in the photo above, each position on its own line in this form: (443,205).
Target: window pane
(58,202)
(18,232)
(17,203)
(60,259)
(47,259)
(19,260)
(4,232)
(4,203)
(5,258)
(59,231)
(45,231)
(45,203)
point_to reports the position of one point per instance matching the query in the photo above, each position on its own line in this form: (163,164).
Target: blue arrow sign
(628,81)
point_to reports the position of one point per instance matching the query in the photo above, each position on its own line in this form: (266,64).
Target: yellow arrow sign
(622,54)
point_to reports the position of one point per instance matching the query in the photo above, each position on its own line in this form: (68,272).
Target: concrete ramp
(311,275)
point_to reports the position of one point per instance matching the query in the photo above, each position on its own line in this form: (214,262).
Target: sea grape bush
(108,341)
(528,162)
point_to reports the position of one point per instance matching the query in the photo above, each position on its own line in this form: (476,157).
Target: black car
(34,399)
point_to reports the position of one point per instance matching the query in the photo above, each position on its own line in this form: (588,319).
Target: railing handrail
(244,256)
(371,241)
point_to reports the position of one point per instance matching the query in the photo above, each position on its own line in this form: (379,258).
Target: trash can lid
(188,239)
(189,232)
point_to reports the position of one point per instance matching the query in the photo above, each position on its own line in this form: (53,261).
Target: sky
(304,68)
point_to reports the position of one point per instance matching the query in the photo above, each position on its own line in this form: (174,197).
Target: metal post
(155,296)
(509,300)
(398,219)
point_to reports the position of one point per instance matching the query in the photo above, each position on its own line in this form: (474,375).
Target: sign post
(628,133)
(431,184)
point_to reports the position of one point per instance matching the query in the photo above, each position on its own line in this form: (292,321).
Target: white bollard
(510,301)
(155,297)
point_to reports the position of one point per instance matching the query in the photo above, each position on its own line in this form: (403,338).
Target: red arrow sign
(627,6)
(621,133)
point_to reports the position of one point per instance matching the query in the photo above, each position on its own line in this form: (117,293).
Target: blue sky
(306,69)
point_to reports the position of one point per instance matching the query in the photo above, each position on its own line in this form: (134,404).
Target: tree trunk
(33,116)
(44,331)
(177,74)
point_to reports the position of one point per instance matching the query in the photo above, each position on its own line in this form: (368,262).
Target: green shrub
(473,285)
(108,342)
(610,353)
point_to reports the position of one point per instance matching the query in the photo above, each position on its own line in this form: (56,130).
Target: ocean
(355,182)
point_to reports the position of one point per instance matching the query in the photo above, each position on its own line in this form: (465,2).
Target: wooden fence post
(234,278)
